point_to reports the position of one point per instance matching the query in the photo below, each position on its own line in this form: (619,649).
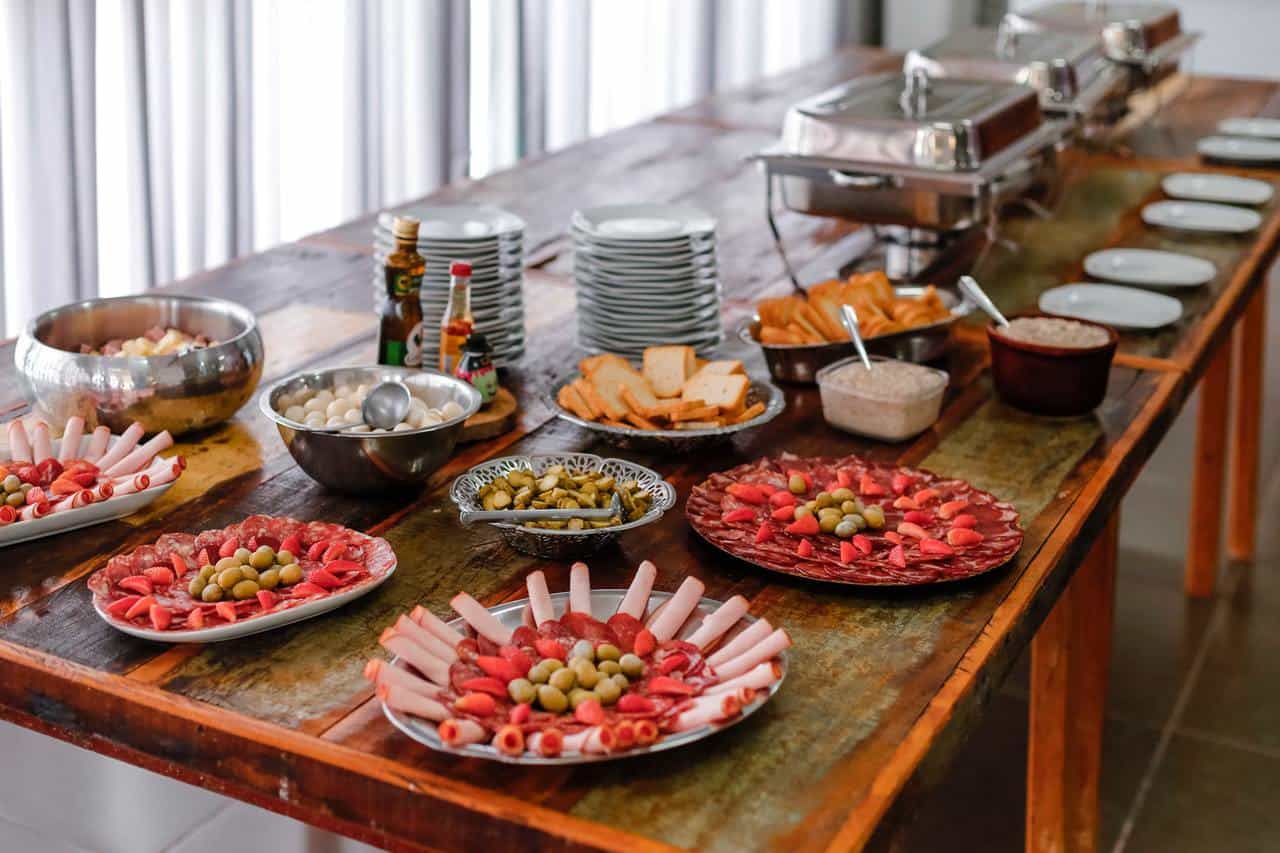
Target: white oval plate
(1234,149)
(1201,216)
(1251,126)
(1227,189)
(1150,267)
(1122,307)
(643,222)
(604,603)
(458,222)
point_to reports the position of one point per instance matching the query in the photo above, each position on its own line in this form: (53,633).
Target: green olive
(824,499)
(632,665)
(228,578)
(552,699)
(263,558)
(16,499)
(796,484)
(26,487)
(227,563)
(539,674)
(563,679)
(801,511)
(284,558)
(608,651)
(242,555)
(586,673)
(578,695)
(552,664)
(843,494)
(249,572)
(858,521)
(583,649)
(270,579)
(211,593)
(290,574)
(874,516)
(12,483)
(828,523)
(621,680)
(522,690)
(609,667)
(245,589)
(207,572)
(851,507)
(197,586)
(608,691)
(845,529)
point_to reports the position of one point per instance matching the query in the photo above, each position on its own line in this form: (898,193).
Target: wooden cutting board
(497,417)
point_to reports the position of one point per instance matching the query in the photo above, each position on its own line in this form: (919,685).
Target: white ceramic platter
(1150,268)
(458,222)
(254,625)
(1236,149)
(1227,189)
(604,603)
(1121,307)
(1201,216)
(1263,127)
(643,222)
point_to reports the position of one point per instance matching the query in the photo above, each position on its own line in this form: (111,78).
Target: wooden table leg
(1205,526)
(1246,428)
(1070,657)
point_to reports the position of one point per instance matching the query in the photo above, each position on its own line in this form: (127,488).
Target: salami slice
(922,512)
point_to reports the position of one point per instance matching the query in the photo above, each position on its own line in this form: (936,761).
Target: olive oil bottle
(400,334)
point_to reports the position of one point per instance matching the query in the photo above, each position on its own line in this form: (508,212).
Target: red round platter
(742,511)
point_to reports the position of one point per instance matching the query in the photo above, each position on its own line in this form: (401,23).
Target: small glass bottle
(400,331)
(457,324)
(476,367)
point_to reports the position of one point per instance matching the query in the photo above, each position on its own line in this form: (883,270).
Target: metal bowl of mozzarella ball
(360,459)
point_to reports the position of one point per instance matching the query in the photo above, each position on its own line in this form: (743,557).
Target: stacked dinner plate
(646,275)
(492,240)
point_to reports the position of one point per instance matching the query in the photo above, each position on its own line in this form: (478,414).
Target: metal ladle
(386,405)
(850,318)
(970,288)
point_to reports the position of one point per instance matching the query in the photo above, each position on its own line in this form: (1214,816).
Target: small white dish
(464,223)
(1226,189)
(1150,268)
(1121,307)
(1268,128)
(1201,216)
(1237,149)
(643,222)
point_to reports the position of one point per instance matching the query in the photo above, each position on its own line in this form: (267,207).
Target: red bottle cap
(460,268)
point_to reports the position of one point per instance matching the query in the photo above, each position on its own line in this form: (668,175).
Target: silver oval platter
(604,602)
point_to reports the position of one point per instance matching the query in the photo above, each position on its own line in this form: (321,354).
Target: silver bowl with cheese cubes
(673,401)
(307,407)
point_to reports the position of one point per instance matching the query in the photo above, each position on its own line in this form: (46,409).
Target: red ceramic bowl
(1049,380)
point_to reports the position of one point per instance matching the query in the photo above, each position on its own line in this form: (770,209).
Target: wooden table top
(883,685)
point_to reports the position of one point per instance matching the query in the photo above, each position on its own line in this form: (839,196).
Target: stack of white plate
(646,275)
(492,241)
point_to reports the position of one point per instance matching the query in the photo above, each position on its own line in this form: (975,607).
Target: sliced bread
(728,392)
(668,367)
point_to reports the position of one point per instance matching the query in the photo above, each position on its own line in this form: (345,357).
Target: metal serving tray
(1147,36)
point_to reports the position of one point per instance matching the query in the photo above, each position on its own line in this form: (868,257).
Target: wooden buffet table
(883,686)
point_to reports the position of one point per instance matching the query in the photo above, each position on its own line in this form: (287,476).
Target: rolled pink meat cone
(459,732)
(636,601)
(97,444)
(380,671)
(766,649)
(580,588)
(429,642)
(748,637)
(41,444)
(759,677)
(539,598)
(409,702)
(72,432)
(436,626)
(705,710)
(484,622)
(716,623)
(138,458)
(124,445)
(416,656)
(19,442)
(667,621)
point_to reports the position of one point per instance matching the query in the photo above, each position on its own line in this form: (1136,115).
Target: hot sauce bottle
(400,333)
(456,325)
(477,367)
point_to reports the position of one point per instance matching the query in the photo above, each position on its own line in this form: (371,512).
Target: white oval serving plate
(1201,216)
(1226,189)
(1237,149)
(1150,268)
(1121,307)
(1268,128)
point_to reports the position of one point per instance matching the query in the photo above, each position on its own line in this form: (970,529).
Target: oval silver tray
(604,603)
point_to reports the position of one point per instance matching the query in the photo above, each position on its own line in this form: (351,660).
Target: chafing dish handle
(858,181)
(773,227)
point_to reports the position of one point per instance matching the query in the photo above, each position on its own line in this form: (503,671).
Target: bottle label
(413,347)
(484,378)
(402,283)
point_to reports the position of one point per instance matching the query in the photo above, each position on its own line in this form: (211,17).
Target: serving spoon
(471,516)
(850,318)
(970,288)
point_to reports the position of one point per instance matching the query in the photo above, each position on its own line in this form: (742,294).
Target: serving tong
(472,516)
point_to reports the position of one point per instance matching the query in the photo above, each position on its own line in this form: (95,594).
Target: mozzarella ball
(314,419)
(401,427)
(295,413)
(325,396)
(337,408)
(450,410)
(361,428)
(335,422)
(352,416)
(343,391)
(432,418)
(314,405)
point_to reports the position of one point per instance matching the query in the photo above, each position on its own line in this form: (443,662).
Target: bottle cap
(460,268)
(405,228)
(477,342)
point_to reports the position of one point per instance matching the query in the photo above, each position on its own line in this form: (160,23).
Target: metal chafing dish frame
(921,208)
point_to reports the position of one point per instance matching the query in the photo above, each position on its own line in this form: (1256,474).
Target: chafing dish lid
(1129,31)
(912,121)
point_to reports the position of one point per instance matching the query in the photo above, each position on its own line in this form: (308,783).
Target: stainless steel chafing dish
(921,159)
(1146,38)
(1069,69)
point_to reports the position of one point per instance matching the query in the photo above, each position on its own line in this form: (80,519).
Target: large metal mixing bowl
(372,462)
(179,393)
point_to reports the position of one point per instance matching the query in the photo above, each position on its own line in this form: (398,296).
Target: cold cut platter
(253,576)
(854,521)
(606,678)
(49,485)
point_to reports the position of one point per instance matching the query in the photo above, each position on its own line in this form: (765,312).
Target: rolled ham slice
(767,648)
(759,677)
(8,515)
(485,623)
(548,742)
(436,626)
(416,656)
(580,588)
(104,490)
(123,447)
(19,443)
(97,444)
(132,483)
(41,446)
(636,601)
(455,732)
(381,672)
(752,634)
(408,702)
(71,434)
(667,621)
(432,644)
(593,741)
(716,623)
(706,710)
(140,456)
(539,598)
(35,510)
